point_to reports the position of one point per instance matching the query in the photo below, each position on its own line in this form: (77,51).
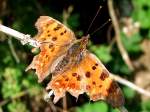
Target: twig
(48,100)
(53,108)
(65,103)
(130,84)
(13,51)
(66,14)
(24,38)
(117,32)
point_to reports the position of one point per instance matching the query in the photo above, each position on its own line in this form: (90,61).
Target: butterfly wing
(89,76)
(54,37)
(99,85)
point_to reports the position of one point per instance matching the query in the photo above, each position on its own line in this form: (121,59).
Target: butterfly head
(84,41)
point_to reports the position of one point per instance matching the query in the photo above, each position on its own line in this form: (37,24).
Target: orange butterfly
(74,69)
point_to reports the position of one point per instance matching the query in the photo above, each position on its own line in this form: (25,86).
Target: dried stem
(130,84)
(123,52)
(12,49)
(65,103)
(66,14)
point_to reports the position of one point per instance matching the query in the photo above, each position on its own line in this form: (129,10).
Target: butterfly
(74,69)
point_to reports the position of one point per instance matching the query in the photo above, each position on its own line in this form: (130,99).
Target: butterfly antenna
(100,7)
(101,26)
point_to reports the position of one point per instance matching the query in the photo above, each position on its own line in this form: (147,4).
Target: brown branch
(123,52)
(65,103)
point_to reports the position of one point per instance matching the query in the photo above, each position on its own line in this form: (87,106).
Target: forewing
(55,39)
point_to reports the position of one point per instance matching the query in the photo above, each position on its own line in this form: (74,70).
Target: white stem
(24,38)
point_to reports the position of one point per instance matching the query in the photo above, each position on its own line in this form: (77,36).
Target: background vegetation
(20,92)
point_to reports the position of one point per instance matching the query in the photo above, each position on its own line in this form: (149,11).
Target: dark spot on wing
(78,78)
(52,49)
(57,27)
(94,83)
(88,87)
(88,74)
(100,86)
(50,46)
(96,64)
(74,74)
(54,38)
(43,39)
(61,33)
(48,35)
(65,31)
(47,24)
(93,67)
(104,75)
(46,56)
(66,79)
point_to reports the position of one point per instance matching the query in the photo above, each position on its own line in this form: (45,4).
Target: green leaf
(128,92)
(94,107)
(11,85)
(73,21)
(102,52)
(132,44)
(141,13)
(146,105)
(17,106)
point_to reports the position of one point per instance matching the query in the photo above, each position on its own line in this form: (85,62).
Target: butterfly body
(74,69)
(74,55)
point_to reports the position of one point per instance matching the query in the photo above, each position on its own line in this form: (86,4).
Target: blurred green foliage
(142,11)
(18,88)
(95,107)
